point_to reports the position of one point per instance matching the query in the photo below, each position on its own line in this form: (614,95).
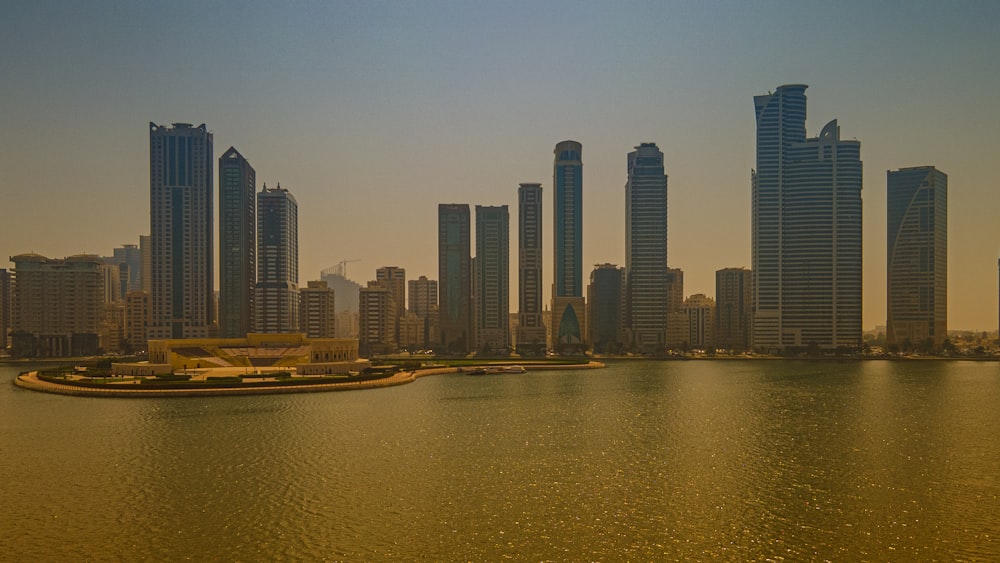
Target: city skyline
(411,80)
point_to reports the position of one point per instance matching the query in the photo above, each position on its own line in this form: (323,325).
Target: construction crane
(340,269)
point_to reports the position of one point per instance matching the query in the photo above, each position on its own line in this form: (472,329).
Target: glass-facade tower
(237,244)
(917,257)
(277,292)
(492,279)
(454,278)
(646,248)
(568,304)
(181,231)
(806,230)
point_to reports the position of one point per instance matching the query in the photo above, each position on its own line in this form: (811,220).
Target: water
(677,461)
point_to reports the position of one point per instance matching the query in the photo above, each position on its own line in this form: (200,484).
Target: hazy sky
(372,113)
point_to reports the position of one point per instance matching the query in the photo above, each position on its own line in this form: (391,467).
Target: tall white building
(806,230)
(181,231)
(277,294)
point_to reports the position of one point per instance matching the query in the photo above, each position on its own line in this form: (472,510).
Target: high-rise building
(5,306)
(181,231)
(237,244)
(130,255)
(700,311)
(137,312)
(917,269)
(806,230)
(422,295)
(646,248)
(394,279)
(146,264)
(377,330)
(492,279)
(732,309)
(317,310)
(57,306)
(530,329)
(678,329)
(277,290)
(569,315)
(454,278)
(606,309)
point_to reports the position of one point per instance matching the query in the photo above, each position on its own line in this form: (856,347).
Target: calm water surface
(640,461)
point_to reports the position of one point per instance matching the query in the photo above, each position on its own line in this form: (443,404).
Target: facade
(700,312)
(58,306)
(111,282)
(237,244)
(733,319)
(346,290)
(255,353)
(317,311)
(606,309)
(146,264)
(377,327)
(394,279)
(131,256)
(569,318)
(646,248)
(806,230)
(5,307)
(422,296)
(411,332)
(492,279)
(277,290)
(137,314)
(530,329)
(917,269)
(181,231)
(678,332)
(454,279)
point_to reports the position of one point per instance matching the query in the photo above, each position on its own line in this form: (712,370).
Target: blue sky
(372,113)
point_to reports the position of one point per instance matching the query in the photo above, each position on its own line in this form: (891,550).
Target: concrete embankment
(30,380)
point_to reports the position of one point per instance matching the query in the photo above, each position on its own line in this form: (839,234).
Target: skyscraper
(394,279)
(606,308)
(277,292)
(806,230)
(422,294)
(130,255)
(568,304)
(492,279)
(454,273)
(317,310)
(377,330)
(646,248)
(237,244)
(5,306)
(732,309)
(181,231)
(917,269)
(530,328)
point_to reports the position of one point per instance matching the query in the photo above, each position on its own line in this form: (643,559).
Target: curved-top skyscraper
(917,257)
(806,230)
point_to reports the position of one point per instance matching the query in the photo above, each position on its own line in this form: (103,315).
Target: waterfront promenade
(30,380)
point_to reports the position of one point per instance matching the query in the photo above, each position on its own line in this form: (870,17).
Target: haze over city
(373,113)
